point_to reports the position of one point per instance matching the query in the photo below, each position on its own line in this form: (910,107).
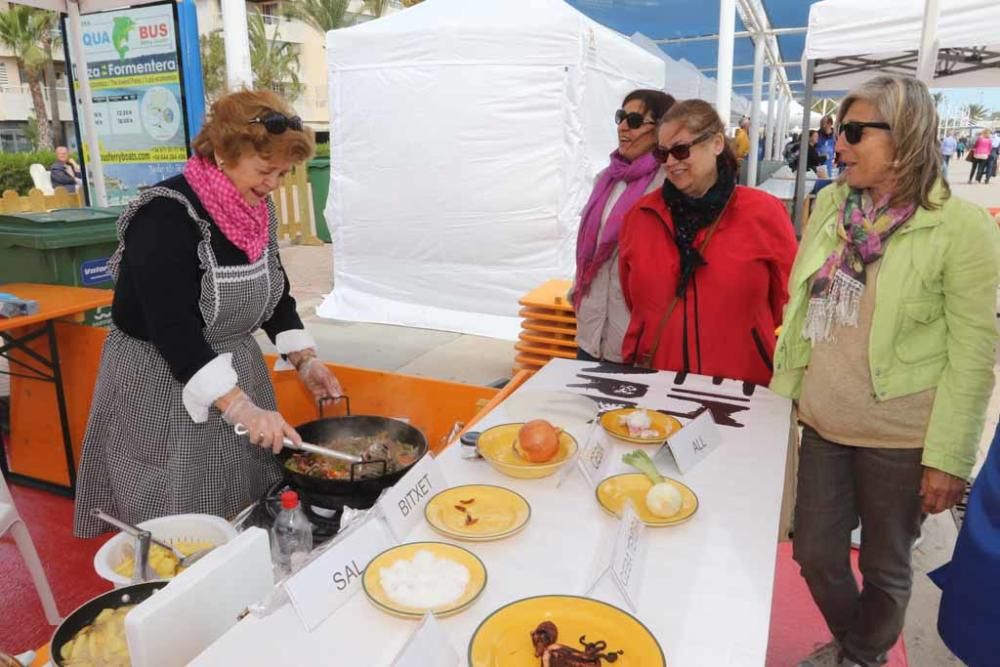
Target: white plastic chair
(41,177)
(11,520)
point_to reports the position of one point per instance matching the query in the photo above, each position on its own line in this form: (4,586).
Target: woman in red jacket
(704,263)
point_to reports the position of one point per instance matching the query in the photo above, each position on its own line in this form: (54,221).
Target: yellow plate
(373,585)
(497,446)
(613,491)
(504,638)
(498,512)
(665,425)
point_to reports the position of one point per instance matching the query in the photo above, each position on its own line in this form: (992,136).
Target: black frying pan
(369,481)
(85,614)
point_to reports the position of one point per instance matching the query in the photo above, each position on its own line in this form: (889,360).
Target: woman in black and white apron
(197,273)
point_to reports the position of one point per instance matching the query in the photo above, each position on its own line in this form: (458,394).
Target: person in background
(791,151)
(991,164)
(704,262)
(601,313)
(948,148)
(960,147)
(826,143)
(741,142)
(888,347)
(64,171)
(813,159)
(197,272)
(969,616)
(981,151)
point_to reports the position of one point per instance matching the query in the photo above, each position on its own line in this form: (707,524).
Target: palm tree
(977,112)
(375,7)
(213,64)
(25,31)
(938,98)
(275,63)
(323,15)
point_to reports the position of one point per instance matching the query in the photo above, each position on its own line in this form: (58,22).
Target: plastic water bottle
(291,536)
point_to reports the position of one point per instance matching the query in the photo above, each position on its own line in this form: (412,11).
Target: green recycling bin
(318,173)
(69,246)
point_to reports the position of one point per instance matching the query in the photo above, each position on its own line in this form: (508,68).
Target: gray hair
(908,107)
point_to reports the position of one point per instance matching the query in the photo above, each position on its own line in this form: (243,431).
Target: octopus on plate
(553,654)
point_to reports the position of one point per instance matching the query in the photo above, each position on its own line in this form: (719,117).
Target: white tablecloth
(707,584)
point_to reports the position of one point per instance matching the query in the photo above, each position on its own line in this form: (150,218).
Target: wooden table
(17,336)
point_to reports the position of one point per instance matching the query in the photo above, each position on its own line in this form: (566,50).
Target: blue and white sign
(95,272)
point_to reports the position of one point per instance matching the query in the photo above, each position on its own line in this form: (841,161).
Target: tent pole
(928,54)
(95,167)
(727,42)
(800,177)
(239,73)
(782,122)
(769,133)
(758,81)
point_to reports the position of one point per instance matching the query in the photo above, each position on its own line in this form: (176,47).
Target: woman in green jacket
(888,348)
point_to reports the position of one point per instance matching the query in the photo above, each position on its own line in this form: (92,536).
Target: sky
(988,97)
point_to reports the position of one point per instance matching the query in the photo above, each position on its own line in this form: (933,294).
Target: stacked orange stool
(548,327)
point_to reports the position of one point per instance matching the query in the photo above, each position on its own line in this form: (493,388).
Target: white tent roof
(853,39)
(465,135)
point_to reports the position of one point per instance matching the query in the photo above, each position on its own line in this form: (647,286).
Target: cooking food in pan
(378,447)
(100,643)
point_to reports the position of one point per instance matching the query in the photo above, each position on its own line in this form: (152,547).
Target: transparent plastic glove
(318,379)
(265,428)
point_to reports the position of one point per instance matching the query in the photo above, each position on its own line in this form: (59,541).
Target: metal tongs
(242,430)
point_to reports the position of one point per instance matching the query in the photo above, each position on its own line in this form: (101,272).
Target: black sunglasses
(634,120)
(854,129)
(679,151)
(277,123)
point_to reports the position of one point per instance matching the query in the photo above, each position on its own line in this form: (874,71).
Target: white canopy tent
(851,40)
(684,81)
(465,136)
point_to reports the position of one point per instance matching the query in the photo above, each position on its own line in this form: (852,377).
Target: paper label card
(694,441)
(629,555)
(428,646)
(596,459)
(322,586)
(403,503)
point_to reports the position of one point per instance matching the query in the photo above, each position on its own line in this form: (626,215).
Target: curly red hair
(228,132)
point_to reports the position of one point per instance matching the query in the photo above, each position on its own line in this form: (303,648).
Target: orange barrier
(36,444)
(433,406)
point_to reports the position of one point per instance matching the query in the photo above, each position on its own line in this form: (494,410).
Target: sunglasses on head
(853,130)
(679,151)
(634,120)
(276,123)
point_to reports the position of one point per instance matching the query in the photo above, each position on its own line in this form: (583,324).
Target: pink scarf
(244,225)
(591,252)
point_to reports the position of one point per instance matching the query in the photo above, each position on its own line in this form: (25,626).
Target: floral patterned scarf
(864,227)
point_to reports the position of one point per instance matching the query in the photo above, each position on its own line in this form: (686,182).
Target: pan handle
(333,399)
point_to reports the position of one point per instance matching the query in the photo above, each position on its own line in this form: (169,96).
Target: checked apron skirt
(143,456)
